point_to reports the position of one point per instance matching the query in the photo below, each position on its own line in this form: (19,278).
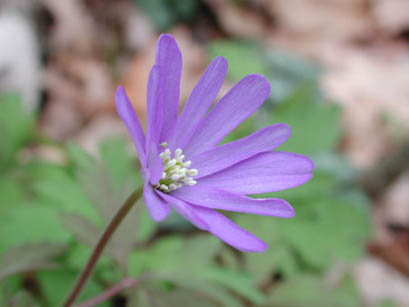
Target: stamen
(176,173)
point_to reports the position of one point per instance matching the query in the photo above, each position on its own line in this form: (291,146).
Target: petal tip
(259,248)
(289,212)
(167,43)
(166,36)
(285,127)
(119,93)
(260,82)
(221,61)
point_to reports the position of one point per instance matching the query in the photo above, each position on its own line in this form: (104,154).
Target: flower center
(176,173)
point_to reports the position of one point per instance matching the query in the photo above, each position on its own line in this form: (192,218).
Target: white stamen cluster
(176,173)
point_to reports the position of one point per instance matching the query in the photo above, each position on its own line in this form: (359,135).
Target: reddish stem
(96,253)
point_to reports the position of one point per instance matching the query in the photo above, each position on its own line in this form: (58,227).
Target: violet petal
(238,104)
(229,232)
(154,109)
(226,155)
(155,165)
(218,199)
(158,209)
(199,102)
(127,113)
(169,61)
(185,210)
(265,172)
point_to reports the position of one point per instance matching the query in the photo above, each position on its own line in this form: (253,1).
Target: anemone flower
(184,167)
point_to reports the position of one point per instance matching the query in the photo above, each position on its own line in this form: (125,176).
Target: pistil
(176,172)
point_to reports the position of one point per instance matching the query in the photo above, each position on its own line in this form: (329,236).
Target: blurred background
(339,71)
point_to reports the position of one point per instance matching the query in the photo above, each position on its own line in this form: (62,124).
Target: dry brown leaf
(378,281)
(100,128)
(373,86)
(238,20)
(317,19)
(392,16)
(74,27)
(60,119)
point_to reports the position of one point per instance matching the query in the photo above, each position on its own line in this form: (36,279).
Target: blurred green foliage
(166,13)
(51,214)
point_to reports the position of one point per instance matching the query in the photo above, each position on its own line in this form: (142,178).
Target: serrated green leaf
(236,281)
(235,52)
(153,259)
(165,13)
(78,157)
(56,285)
(220,294)
(16,126)
(287,71)
(78,256)
(330,230)
(64,193)
(29,257)
(309,291)
(22,299)
(88,233)
(11,195)
(31,224)
(315,125)
(276,259)
(154,297)
(120,165)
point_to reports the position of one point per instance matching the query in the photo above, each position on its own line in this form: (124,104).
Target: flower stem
(96,253)
(126,283)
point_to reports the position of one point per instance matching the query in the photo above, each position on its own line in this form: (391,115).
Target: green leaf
(287,71)
(56,285)
(64,193)
(309,291)
(29,257)
(9,287)
(153,259)
(22,299)
(218,293)
(315,125)
(33,223)
(11,195)
(16,126)
(78,157)
(165,13)
(88,233)
(244,57)
(278,258)
(120,165)
(78,256)
(108,183)
(236,281)
(177,297)
(329,231)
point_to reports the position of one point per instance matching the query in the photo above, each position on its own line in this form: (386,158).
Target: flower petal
(265,172)
(229,232)
(169,61)
(218,199)
(185,210)
(158,209)
(238,104)
(226,155)
(199,102)
(155,165)
(127,113)
(154,109)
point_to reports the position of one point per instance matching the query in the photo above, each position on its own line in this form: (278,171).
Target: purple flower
(184,168)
